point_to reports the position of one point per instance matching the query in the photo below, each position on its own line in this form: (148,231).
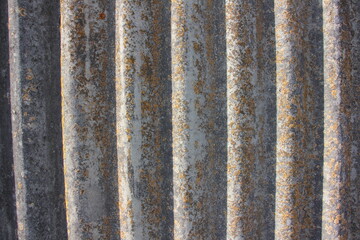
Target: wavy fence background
(182,119)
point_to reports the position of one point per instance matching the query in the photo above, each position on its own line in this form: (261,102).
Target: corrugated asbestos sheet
(182,119)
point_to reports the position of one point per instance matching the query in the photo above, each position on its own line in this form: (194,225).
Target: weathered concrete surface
(183,119)
(88,118)
(251,112)
(199,118)
(299,144)
(341,206)
(36,118)
(143,87)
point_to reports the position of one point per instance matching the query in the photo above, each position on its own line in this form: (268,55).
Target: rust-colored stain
(102,16)
(179,119)
(299,120)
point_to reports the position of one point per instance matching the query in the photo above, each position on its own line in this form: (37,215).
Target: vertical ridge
(88,111)
(143,89)
(299,119)
(199,118)
(341,157)
(241,79)
(35,107)
(250,105)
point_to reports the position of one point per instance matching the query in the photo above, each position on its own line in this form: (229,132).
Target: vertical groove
(265,109)
(198,84)
(7,190)
(35,106)
(355,121)
(88,111)
(341,158)
(250,90)
(143,119)
(299,107)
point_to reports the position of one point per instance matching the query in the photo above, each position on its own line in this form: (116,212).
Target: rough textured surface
(199,119)
(299,119)
(88,118)
(179,119)
(251,119)
(341,141)
(36,127)
(143,87)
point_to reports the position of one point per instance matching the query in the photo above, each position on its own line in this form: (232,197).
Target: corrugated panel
(34,64)
(299,119)
(181,119)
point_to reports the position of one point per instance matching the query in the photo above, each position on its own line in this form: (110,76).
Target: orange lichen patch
(22,12)
(199,86)
(29,75)
(102,16)
(197,47)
